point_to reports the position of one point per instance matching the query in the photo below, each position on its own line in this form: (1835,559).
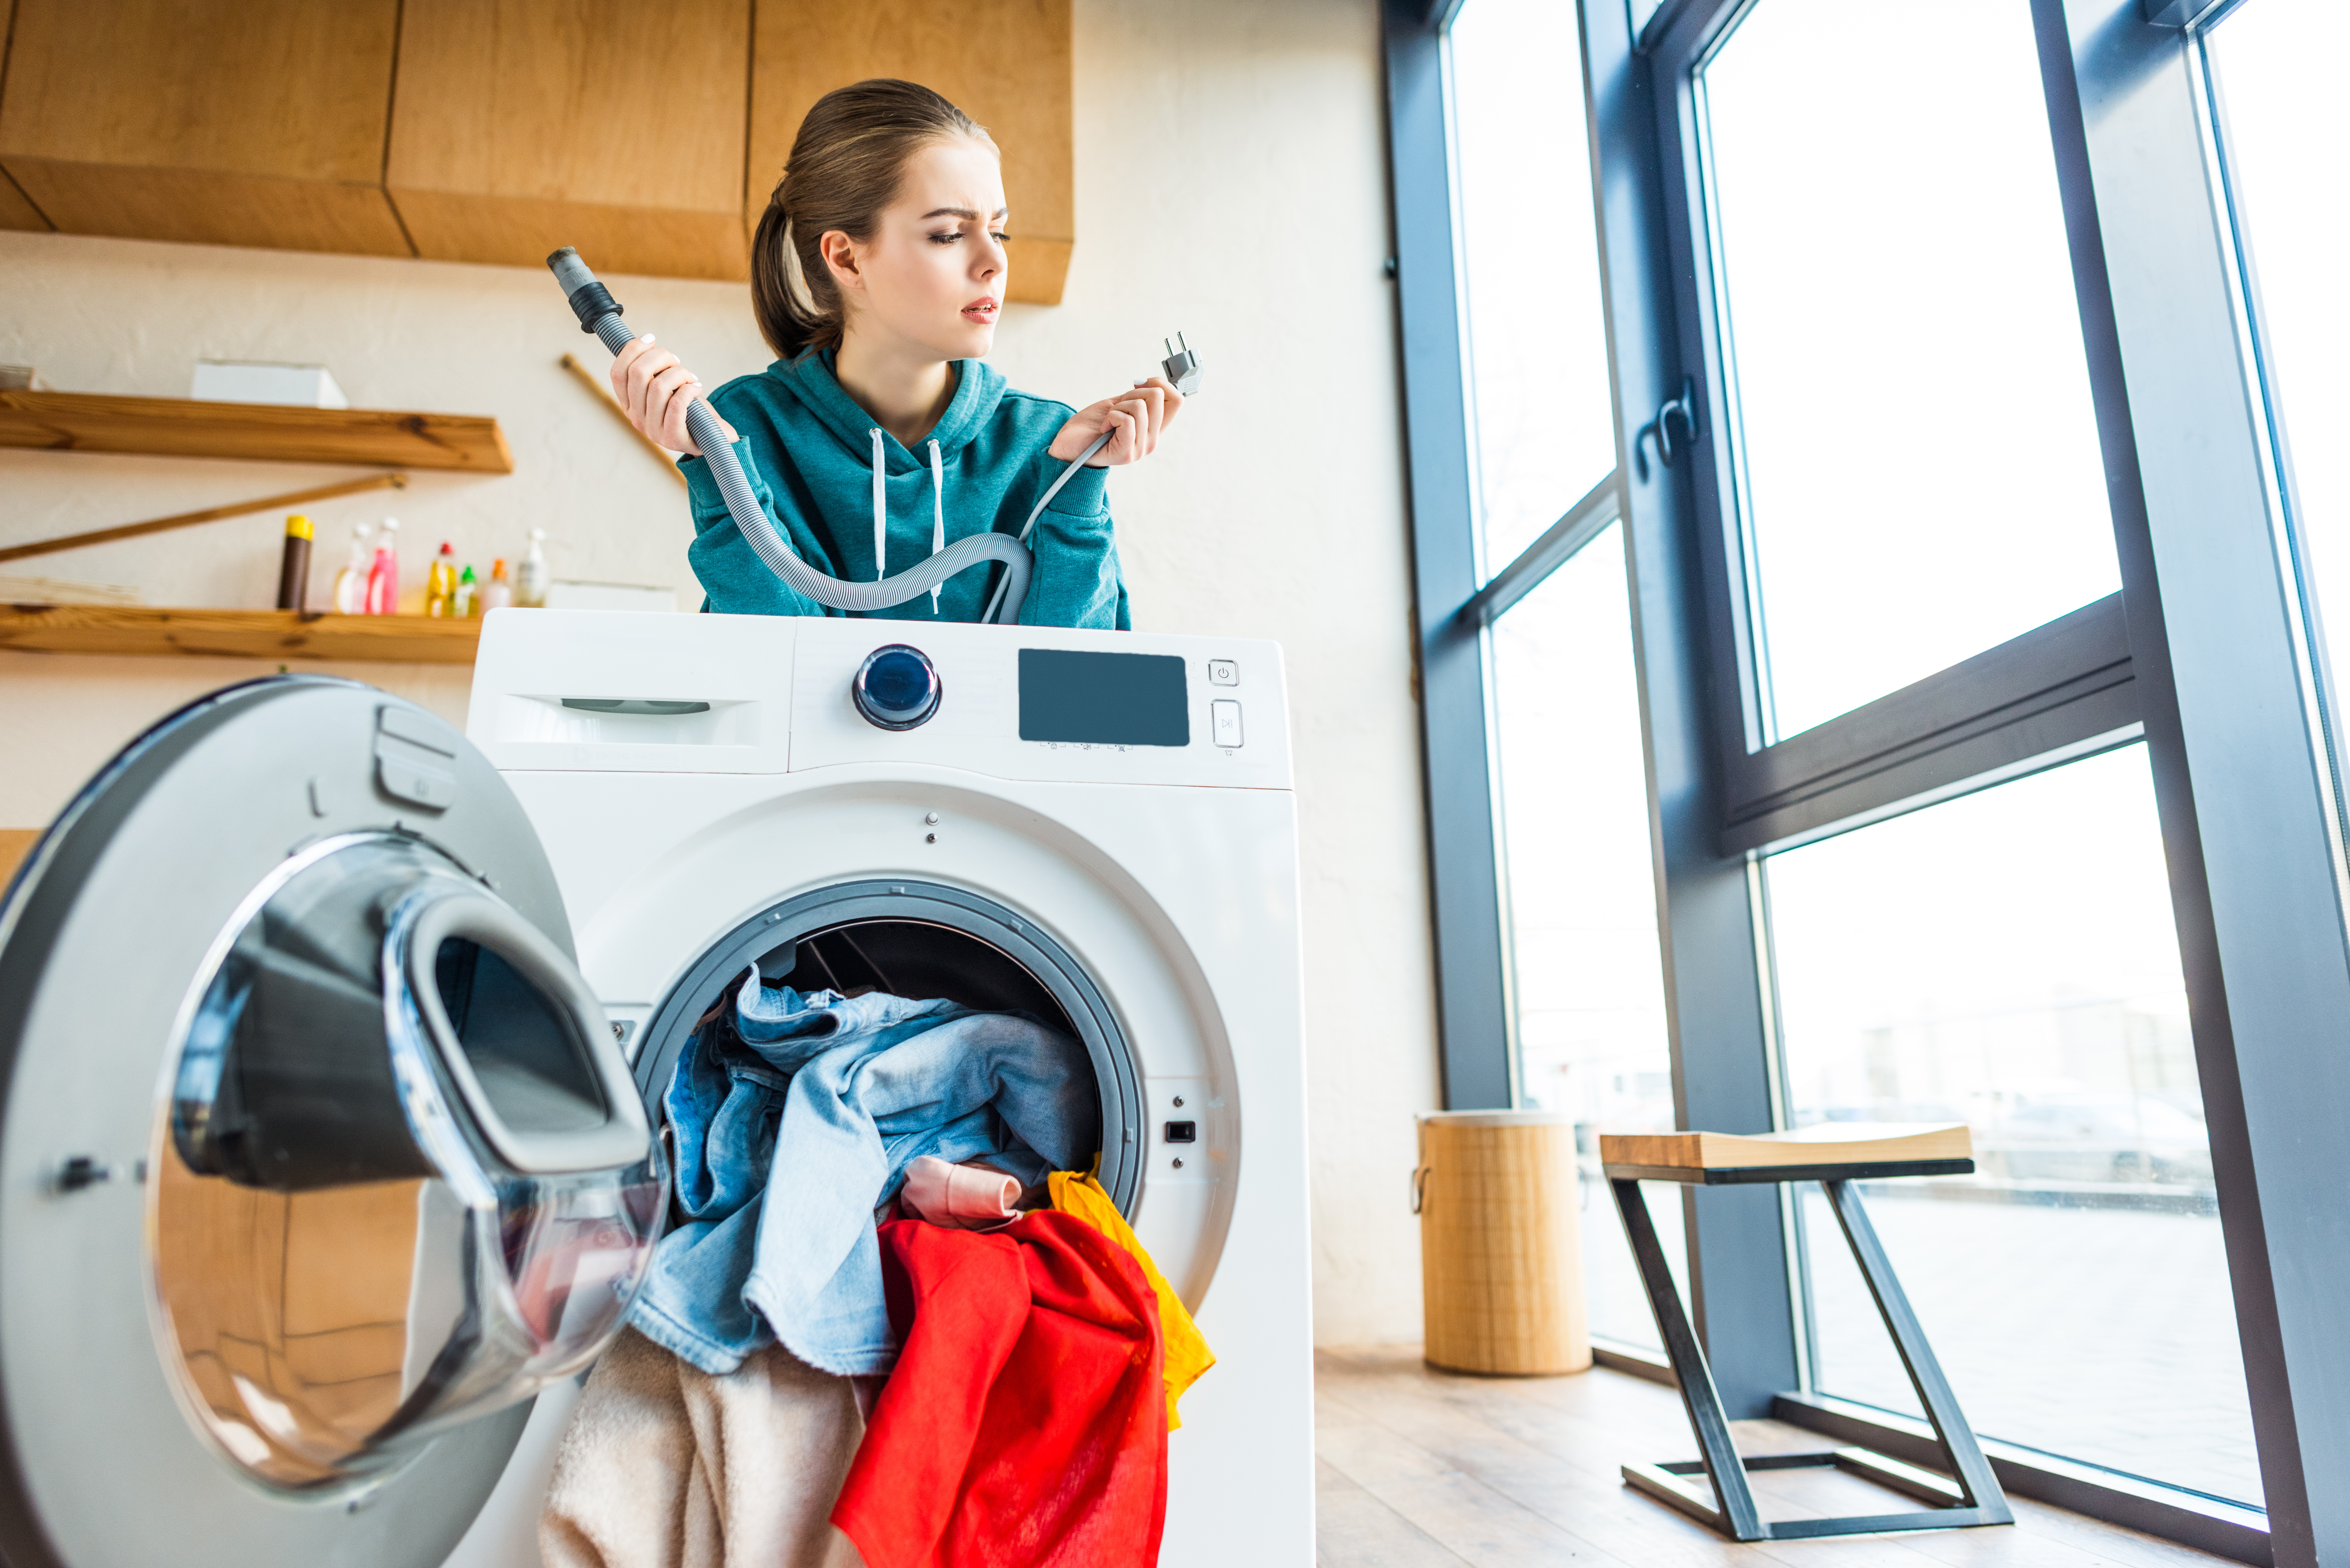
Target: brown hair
(844,167)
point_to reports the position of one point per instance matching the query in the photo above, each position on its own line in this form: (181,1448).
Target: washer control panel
(1039,703)
(569,691)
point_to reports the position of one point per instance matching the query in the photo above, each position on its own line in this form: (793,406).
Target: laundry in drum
(892,1290)
(795,1116)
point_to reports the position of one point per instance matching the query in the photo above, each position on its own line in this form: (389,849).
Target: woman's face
(931,278)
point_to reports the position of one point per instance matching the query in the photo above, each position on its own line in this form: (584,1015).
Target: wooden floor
(1416,1468)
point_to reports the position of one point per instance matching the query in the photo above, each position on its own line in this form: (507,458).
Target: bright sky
(1921,456)
(1544,428)
(1995,906)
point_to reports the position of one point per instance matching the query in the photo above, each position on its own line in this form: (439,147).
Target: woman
(876,276)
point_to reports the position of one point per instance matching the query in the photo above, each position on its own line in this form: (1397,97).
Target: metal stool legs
(1975,1500)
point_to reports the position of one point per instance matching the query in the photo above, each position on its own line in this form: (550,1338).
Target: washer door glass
(402,1178)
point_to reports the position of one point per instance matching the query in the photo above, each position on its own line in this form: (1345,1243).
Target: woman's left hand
(1134,419)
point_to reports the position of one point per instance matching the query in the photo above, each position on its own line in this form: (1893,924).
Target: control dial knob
(896,687)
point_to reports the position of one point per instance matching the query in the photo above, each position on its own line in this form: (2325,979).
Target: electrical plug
(1182,366)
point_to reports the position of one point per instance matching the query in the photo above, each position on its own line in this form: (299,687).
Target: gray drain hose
(600,312)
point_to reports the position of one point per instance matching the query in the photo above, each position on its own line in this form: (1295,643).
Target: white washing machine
(266,1300)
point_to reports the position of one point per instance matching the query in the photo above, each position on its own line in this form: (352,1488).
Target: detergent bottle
(350,591)
(440,583)
(497,593)
(530,581)
(383,573)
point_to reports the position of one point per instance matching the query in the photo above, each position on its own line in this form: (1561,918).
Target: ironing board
(1836,1156)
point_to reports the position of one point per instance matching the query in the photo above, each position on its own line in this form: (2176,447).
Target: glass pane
(1920,477)
(1590,989)
(1542,429)
(2008,959)
(2278,64)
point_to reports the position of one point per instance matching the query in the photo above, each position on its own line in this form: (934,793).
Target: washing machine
(333,1045)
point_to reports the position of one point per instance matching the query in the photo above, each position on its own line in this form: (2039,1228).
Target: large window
(2007,960)
(1914,456)
(1543,430)
(1582,893)
(1933,717)
(1576,875)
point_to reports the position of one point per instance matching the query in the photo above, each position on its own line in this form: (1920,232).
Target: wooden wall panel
(250,122)
(1005,63)
(519,126)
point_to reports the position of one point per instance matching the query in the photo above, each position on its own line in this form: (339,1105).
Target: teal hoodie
(809,453)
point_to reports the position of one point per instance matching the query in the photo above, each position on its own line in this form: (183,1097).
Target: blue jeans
(819,1102)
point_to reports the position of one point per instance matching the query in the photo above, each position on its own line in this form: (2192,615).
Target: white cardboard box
(297,386)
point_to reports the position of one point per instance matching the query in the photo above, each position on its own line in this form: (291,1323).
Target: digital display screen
(1103,698)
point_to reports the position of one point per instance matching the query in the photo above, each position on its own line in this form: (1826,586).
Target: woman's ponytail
(844,167)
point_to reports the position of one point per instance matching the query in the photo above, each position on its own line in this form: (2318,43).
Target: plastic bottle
(440,583)
(497,593)
(383,572)
(530,579)
(350,592)
(294,566)
(467,601)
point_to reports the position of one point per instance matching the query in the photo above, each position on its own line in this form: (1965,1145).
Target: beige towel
(664,1465)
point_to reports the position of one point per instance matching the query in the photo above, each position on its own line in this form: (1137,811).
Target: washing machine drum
(321,1159)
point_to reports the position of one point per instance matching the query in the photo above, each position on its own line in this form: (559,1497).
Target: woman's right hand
(655,389)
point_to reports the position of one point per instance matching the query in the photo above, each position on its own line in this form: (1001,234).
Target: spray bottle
(383,573)
(530,579)
(350,591)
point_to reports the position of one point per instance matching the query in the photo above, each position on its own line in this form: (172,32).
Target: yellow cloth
(1187,1354)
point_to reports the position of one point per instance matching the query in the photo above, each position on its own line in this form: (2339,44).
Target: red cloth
(1025,1424)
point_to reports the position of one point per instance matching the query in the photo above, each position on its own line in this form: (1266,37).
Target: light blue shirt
(794,1118)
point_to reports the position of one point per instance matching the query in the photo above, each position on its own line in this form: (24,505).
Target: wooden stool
(1836,1156)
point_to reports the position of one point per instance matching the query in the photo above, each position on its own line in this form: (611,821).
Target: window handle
(1682,409)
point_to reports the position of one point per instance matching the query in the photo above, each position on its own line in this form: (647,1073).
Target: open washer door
(317,1158)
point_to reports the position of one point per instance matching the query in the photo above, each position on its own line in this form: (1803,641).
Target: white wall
(1230,182)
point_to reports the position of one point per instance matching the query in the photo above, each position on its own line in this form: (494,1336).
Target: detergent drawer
(597,691)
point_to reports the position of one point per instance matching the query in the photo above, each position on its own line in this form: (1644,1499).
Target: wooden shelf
(237,634)
(268,432)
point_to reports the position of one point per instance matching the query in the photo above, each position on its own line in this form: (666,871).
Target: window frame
(2054,692)
(2207,653)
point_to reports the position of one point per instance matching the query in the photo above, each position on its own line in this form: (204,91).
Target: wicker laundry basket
(1501,1251)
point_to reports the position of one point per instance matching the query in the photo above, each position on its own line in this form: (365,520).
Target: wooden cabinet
(250,122)
(496,131)
(1005,63)
(520,126)
(16,211)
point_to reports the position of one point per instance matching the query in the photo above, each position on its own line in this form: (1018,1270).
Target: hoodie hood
(810,381)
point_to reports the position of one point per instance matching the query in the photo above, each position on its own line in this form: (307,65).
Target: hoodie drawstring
(938,512)
(880,511)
